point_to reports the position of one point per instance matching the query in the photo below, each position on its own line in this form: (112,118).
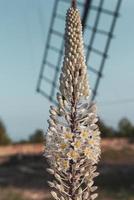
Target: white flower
(73,138)
(73,155)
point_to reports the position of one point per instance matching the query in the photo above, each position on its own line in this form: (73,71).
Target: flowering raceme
(73,138)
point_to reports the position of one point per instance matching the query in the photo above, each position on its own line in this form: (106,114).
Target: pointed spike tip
(74,4)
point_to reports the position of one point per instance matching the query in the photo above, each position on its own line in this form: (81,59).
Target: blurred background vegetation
(125,129)
(23,174)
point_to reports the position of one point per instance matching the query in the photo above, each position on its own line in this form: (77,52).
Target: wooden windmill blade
(98,19)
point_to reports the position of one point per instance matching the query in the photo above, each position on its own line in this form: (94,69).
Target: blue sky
(22,39)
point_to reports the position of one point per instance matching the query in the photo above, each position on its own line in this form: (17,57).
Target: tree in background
(4,138)
(125,128)
(106,131)
(37,137)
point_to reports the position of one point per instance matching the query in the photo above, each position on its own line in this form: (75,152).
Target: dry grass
(23,177)
(22,149)
(116,195)
(17,194)
(11,193)
(113,144)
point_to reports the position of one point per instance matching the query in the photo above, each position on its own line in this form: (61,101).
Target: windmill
(98,19)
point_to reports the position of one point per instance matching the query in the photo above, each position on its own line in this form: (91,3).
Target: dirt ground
(24,177)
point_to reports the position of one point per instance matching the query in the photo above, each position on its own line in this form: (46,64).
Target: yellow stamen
(88,152)
(63,146)
(68,136)
(65,164)
(85,134)
(77,144)
(91,141)
(73,155)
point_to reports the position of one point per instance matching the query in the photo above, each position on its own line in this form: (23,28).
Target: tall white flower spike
(73,138)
